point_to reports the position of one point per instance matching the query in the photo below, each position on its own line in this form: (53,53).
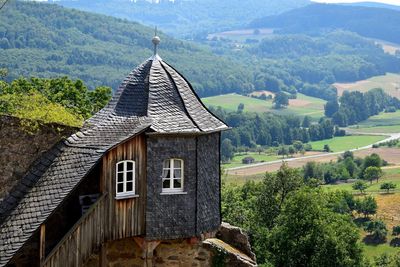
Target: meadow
(390,83)
(303,105)
(381,123)
(343,143)
(388,209)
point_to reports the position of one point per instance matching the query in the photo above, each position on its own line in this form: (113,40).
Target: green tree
(327,148)
(387,186)
(377,231)
(240,108)
(372,173)
(366,206)
(360,185)
(306,234)
(227,150)
(281,100)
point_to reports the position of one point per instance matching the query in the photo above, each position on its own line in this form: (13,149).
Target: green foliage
(377,23)
(293,224)
(58,100)
(396,230)
(306,234)
(366,206)
(371,173)
(360,185)
(356,106)
(387,186)
(377,231)
(280,100)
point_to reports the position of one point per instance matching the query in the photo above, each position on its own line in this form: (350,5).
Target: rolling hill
(47,40)
(379,23)
(188,19)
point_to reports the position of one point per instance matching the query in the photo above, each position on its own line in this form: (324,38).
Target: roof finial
(156,41)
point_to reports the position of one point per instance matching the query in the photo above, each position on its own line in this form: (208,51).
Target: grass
(381,123)
(303,105)
(343,143)
(388,210)
(390,83)
(237,159)
(390,175)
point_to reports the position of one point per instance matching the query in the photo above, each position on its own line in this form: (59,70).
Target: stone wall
(19,148)
(170,216)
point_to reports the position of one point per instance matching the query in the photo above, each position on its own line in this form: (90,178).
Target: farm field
(242,35)
(388,210)
(391,155)
(381,123)
(303,105)
(343,143)
(390,83)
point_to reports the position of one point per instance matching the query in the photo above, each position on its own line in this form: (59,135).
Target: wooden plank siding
(108,218)
(126,216)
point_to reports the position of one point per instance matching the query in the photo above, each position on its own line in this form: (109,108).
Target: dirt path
(391,155)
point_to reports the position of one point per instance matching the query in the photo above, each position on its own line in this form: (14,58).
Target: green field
(390,175)
(381,123)
(389,82)
(343,143)
(303,105)
(237,159)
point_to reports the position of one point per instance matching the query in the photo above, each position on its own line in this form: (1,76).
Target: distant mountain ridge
(373,4)
(47,40)
(188,19)
(379,23)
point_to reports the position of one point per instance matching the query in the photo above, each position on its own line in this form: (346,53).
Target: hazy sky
(392,2)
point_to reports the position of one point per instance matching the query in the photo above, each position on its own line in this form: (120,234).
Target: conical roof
(156,91)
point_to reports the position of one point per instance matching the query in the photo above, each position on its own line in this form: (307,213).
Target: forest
(188,19)
(101,50)
(315,19)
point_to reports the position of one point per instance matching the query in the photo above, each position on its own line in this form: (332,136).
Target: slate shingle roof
(153,97)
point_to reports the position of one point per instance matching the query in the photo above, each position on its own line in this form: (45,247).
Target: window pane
(177,173)
(129,176)
(129,186)
(120,187)
(129,166)
(120,166)
(177,183)
(166,183)
(166,173)
(177,163)
(166,163)
(120,177)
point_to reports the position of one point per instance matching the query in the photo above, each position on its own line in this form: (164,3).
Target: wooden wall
(109,218)
(126,216)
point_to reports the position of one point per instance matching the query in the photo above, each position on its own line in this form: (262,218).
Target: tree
(387,186)
(396,230)
(331,107)
(227,151)
(283,151)
(291,150)
(377,231)
(280,100)
(372,173)
(306,122)
(306,233)
(327,148)
(360,185)
(366,206)
(240,108)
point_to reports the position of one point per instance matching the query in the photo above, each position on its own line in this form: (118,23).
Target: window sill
(118,197)
(174,193)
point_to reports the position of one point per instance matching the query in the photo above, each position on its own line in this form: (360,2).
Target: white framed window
(125,179)
(172,176)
